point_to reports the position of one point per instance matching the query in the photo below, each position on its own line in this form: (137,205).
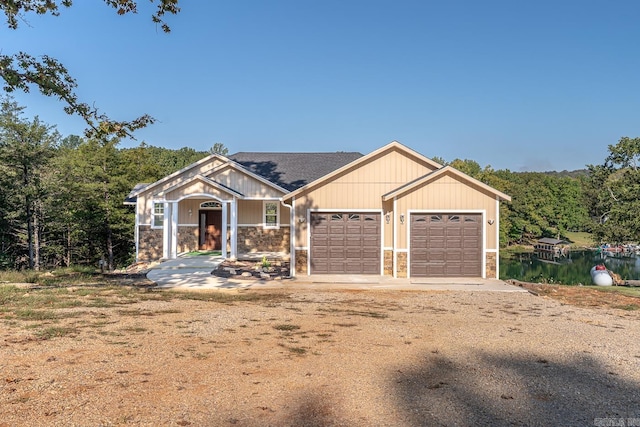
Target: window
(210,205)
(271,211)
(158,215)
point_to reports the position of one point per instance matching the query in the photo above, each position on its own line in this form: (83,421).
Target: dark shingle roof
(293,170)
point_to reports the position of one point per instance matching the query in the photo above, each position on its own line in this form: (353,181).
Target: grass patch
(35,315)
(205,253)
(580,239)
(55,332)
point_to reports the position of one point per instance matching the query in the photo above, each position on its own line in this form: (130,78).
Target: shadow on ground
(499,390)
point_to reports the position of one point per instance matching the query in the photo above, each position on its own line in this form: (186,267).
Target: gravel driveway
(324,358)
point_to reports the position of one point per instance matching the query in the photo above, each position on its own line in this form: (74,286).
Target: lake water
(572,270)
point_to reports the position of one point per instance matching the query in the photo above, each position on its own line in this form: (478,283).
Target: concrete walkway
(194,272)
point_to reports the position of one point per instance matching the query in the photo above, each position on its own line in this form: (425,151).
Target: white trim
(387,248)
(346,210)
(155,202)
(203,196)
(174,230)
(264,215)
(309,211)
(395,239)
(220,187)
(492,250)
(234,228)
(359,161)
(237,166)
(292,237)
(301,248)
(497,224)
(166,236)
(181,171)
(483,214)
(402,250)
(136,232)
(223,232)
(188,225)
(266,199)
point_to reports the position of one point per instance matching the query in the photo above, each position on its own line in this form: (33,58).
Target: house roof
(293,170)
(434,175)
(133,194)
(551,241)
(360,160)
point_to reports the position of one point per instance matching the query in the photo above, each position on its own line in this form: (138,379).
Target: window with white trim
(271,214)
(158,215)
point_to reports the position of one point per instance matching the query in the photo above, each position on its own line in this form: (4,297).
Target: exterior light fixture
(401,218)
(491,222)
(387,218)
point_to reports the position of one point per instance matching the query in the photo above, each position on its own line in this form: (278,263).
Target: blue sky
(544,85)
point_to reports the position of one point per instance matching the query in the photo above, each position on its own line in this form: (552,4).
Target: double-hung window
(271,214)
(158,215)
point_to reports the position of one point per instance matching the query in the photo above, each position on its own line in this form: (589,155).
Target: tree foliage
(22,71)
(614,193)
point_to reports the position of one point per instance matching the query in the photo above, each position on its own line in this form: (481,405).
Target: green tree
(219,148)
(23,71)
(26,148)
(614,192)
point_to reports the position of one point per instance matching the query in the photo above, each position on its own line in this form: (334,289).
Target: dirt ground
(111,356)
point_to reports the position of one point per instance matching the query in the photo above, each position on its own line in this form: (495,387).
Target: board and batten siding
(361,188)
(244,184)
(448,193)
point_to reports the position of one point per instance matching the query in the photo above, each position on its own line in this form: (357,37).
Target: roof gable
(394,145)
(430,177)
(209,159)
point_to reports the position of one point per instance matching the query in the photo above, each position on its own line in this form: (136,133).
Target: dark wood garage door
(446,245)
(345,243)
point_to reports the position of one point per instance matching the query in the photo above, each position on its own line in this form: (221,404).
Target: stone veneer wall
(257,239)
(388,263)
(187,238)
(149,243)
(402,264)
(491,268)
(301,261)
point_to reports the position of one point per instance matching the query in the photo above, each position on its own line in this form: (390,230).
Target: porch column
(234,228)
(136,233)
(225,208)
(174,230)
(166,231)
(292,238)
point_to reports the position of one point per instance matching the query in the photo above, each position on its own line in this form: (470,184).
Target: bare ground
(257,358)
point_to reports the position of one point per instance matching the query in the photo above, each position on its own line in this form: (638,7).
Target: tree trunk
(109,231)
(67,257)
(36,242)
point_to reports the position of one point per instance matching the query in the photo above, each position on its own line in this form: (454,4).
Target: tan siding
(185,176)
(448,193)
(183,210)
(362,188)
(250,213)
(244,184)
(197,187)
(387,240)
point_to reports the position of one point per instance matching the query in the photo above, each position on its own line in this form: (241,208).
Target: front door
(210,230)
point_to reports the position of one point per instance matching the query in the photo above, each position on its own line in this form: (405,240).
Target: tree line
(62,198)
